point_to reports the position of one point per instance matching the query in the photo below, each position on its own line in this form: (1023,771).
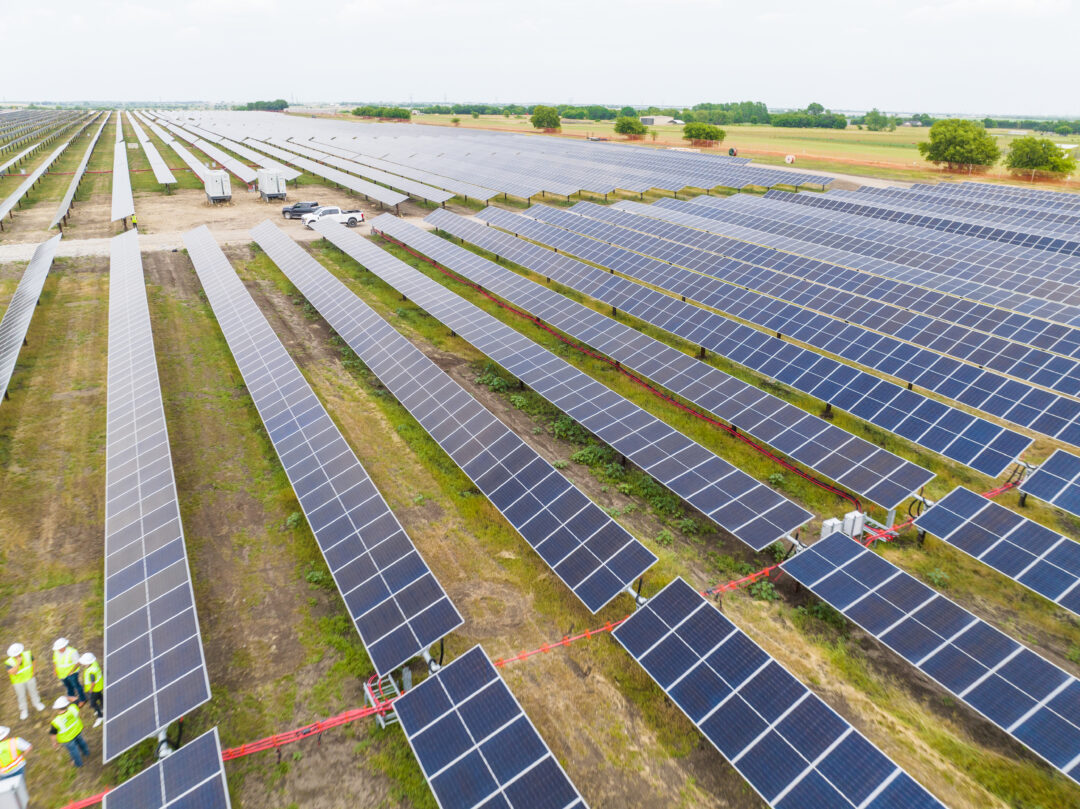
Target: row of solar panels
(785,311)
(522,167)
(16,196)
(469,736)
(962,437)
(768,782)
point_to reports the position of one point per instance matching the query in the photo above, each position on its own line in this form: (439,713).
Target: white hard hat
(60,644)
(61,703)
(87,659)
(4,731)
(14,650)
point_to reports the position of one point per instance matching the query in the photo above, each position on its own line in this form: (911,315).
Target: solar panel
(123,205)
(259,159)
(244,172)
(592,554)
(960,436)
(788,292)
(749,510)
(73,186)
(154,667)
(189,778)
(418,189)
(985,335)
(1037,239)
(864,468)
(793,749)
(396,603)
(376,192)
(162,173)
(8,205)
(1028,697)
(1031,554)
(20,310)
(475,744)
(1056,481)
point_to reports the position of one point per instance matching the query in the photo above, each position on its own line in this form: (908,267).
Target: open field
(278,641)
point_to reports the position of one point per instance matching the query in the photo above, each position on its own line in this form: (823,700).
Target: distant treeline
(383,112)
(276,105)
(1058,127)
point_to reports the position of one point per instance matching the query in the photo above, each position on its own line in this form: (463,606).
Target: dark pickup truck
(298,209)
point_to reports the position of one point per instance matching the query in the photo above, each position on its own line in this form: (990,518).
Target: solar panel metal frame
(20,310)
(967,439)
(865,469)
(476,745)
(1030,554)
(1056,481)
(155,670)
(192,777)
(1032,698)
(13,199)
(792,748)
(394,600)
(591,553)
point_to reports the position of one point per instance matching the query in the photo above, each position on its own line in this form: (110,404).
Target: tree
(1063,129)
(876,121)
(545,117)
(629,125)
(628,112)
(475,114)
(455,121)
(959,143)
(815,109)
(696,130)
(1038,155)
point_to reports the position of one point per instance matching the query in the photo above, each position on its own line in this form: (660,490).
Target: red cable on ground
(566,640)
(291,736)
(731,430)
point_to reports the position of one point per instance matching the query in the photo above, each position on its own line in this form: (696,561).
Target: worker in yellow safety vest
(67,727)
(13,752)
(66,665)
(94,684)
(20,668)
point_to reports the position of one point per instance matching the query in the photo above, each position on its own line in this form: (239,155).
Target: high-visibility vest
(65,662)
(26,669)
(11,759)
(68,724)
(93,680)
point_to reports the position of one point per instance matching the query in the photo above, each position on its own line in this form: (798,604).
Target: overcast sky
(978,56)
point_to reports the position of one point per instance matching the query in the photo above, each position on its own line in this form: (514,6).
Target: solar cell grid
(154,666)
(1056,481)
(884,304)
(751,511)
(395,602)
(586,548)
(987,390)
(792,748)
(475,744)
(189,778)
(1025,551)
(889,328)
(895,257)
(20,310)
(962,437)
(865,469)
(1034,238)
(1025,695)
(123,205)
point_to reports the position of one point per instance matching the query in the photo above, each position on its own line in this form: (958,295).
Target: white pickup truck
(350,218)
